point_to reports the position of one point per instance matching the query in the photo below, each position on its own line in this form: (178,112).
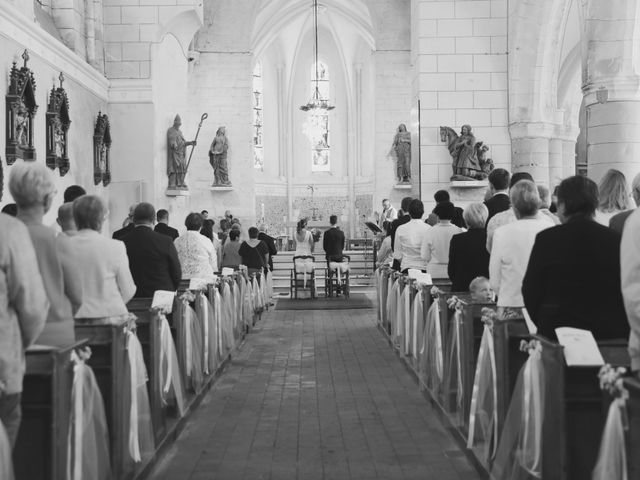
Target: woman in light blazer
(106,279)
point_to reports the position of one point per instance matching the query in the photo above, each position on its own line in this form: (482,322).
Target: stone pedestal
(221,188)
(174,192)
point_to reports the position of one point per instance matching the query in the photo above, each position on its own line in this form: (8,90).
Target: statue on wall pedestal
(470,160)
(176,153)
(218,158)
(402,149)
(21,108)
(101,147)
(58,123)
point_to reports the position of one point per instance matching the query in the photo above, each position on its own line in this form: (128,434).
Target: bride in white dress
(304,246)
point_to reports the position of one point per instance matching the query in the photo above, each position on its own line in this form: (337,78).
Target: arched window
(258,153)
(318,121)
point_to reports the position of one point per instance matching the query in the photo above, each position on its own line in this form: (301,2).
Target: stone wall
(86,89)
(459,50)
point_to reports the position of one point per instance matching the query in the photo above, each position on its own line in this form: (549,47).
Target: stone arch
(183,26)
(536,32)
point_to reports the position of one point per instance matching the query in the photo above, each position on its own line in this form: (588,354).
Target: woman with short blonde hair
(32,187)
(106,279)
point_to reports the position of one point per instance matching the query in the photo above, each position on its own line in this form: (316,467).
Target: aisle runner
(355,301)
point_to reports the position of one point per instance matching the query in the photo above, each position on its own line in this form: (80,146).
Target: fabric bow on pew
(141,440)
(484,408)
(191,339)
(519,453)
(612,458)
(88,441)
(431,352)
(171,388)
(6,463)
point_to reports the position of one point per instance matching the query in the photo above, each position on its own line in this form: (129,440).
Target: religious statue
(22,116)
(176,161)
(402,149)
(58,123)
(21,108)
(218,158)
(101,146)
(58,138)
(470,160)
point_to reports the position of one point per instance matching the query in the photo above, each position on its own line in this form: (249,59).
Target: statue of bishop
(176,150)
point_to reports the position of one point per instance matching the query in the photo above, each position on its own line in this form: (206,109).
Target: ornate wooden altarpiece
(101,147)
(21,108)
(58,123)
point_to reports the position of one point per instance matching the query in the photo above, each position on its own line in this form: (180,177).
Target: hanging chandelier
(317,102)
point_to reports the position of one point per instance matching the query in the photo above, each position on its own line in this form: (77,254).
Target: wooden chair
(335,283)
(297,278)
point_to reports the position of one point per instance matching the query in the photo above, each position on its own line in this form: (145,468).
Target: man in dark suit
(499,186)
(333,241)
(153,259)
(442,196)
(128,228)
(270,242)
(163,225)
(403,217)
(573,275)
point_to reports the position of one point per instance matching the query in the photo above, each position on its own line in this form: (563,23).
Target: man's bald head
(65,217)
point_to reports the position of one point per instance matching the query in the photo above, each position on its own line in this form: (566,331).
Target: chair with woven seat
(337,277)
(303,275)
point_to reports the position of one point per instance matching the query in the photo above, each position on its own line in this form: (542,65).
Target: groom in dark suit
(333,241)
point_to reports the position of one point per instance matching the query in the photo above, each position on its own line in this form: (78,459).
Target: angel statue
(470,160)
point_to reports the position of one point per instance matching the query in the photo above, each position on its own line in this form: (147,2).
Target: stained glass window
(258,153)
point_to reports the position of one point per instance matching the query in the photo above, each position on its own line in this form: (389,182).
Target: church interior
(296,118)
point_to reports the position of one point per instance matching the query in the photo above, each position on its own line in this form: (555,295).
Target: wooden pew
(507,336)
(585,410)
(471,329)
(574,411)
(632,385)
(110,364)
(41,447)
(148,330)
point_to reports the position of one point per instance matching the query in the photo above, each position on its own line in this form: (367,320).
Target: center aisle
(314,395)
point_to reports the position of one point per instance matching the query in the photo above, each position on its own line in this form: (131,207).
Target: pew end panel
(586,409)
(632,385)
(46,402)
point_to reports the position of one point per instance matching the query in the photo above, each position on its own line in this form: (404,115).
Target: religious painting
(58,123)
(101,147)
(21,109)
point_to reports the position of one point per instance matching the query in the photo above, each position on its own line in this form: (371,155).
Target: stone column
(556,171)
(611,86)
(530,149)
(568,158)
